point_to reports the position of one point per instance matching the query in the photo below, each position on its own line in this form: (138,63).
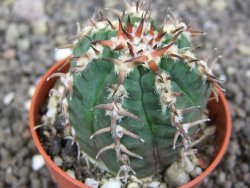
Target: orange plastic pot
(219,113)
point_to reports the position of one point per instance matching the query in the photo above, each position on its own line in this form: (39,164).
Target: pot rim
(193,182)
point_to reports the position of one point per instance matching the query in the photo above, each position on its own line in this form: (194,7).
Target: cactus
(134,92)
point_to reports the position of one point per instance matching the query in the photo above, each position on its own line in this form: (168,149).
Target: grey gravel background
(31,29)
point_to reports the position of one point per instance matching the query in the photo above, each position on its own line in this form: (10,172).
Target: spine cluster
(116,112)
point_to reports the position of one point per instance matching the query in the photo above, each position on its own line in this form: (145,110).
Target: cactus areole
(134,91)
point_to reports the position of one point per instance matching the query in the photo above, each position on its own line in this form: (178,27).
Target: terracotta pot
(219,113)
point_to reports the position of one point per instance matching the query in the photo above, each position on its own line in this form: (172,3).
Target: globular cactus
(134,91)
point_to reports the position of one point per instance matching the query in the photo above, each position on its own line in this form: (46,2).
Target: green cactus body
(134,93)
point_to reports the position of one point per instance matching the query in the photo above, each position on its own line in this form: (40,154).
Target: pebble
(154,184)
(231,70)
(58,160)
(228,184)
(12,34)
(9,54)
(51,113)
(133,185)
(23,44)
(230,162)
(234,148)
(202,3)
(29,9)
(59,123)
(112,184)
(175,175)
(244,167)
(9,98)
(239,125)
(23,29)
(36,183)
(221,178)
(163,185)
(27,105)
(23,171)
(71,173)
(247,74)
(55,146)
(31,91)
(62,53)
(3,25)
(219,5)
(244,49)
(240,112)
(60,40)
(37,162)
(240,184)
(92,182)
(40,27)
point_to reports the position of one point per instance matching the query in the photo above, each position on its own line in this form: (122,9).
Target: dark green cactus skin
(90,89)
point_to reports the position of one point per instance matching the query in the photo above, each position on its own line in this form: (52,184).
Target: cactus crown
(134,91)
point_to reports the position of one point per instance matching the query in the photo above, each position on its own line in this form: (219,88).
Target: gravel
(27,51)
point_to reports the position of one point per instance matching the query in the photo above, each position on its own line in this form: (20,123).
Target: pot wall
(220,114)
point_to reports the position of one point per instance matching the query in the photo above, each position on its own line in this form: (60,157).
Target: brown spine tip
(176,30)
(130,47)
(159,52)
(195,33)
(154,67)
(120,33)
(139,30)
(152,29)
(95,50)
(127,35)
(129,25)
(110,23)
(119,47)
(106,43)
(160,35)
(151,42)
(140,59)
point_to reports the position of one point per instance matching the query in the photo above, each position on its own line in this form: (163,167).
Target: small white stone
(71,173)
(248,73)
(51,113)
(53,102)
(112,184)
(219,5)
(202,3)
(154,184)
(198,171)
(40,27)
(221,178)
(175,175)
(27,105)
(8,98)
(37,162)
(223,78)
(62,53)
(31,91)
(9,171)
(163,185)
(133,185)
(231,70)
(58,161)
(244,49)
(91,182)
(210,150)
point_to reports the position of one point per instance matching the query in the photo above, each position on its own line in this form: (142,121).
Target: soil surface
(31,30)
